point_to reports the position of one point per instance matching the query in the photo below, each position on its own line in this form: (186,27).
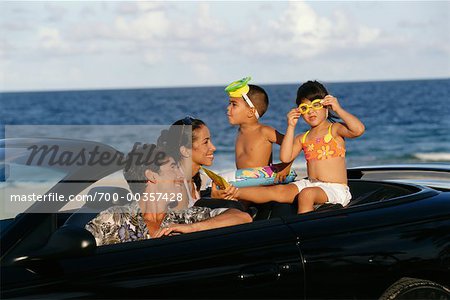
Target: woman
(189,141)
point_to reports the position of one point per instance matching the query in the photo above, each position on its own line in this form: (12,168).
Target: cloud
(135,8)
(50,39)
(201,31)
(151,29)
(152,57)
(302,33)
(15,26)
(204,72)
(55,12)
(6,49)
(193,56)
(142,34)
(203,38)
(151,24)
(88,11)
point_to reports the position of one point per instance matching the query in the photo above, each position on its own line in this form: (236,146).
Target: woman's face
(202,147)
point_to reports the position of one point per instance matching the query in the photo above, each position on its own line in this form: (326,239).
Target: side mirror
(66,242)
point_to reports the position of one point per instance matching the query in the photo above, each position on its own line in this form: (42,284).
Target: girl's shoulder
(335,127)
(299,138)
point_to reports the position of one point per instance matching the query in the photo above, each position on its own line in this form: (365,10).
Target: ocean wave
(433,156)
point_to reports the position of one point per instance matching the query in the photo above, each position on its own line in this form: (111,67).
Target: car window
(22,184)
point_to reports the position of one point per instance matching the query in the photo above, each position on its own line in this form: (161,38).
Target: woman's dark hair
(312,90)
(179,135)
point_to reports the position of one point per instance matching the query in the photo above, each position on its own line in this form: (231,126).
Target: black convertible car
(391,242)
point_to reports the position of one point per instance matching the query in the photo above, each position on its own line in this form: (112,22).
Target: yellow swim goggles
(315,104)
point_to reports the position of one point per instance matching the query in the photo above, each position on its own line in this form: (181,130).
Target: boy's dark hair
(139,160)
(259,98)
(312,90)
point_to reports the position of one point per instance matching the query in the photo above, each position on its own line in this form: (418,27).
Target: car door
(358,252)
(259,259)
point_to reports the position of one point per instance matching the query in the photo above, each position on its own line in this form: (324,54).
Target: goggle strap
(247,99)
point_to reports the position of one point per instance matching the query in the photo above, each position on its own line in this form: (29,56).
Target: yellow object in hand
(217,179)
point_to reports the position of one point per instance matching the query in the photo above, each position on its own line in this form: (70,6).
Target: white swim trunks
(337,193)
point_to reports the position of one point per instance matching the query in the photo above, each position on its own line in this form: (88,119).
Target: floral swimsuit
(322,148)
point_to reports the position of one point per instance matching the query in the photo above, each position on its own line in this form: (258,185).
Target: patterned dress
(119,224)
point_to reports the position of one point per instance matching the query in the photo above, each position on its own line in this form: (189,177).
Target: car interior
(363,192)
(70,232)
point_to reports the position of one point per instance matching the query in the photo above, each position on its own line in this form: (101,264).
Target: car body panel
(390,245)
(235,262)
(432,175)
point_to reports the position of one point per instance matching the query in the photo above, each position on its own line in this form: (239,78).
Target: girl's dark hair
(179,135)
(312,90)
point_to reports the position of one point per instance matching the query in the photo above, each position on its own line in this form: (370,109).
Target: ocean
(406,121)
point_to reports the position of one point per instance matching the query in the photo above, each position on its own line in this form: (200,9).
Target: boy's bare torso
(253,147)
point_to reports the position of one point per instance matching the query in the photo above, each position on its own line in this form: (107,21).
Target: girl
(323,145)
(324,149)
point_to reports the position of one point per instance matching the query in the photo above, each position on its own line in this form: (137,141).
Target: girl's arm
(290,147)
(353,127)
(274,136)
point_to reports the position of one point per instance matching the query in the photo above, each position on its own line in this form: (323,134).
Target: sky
(74,45)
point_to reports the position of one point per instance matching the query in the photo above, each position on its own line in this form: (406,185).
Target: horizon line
(206,86)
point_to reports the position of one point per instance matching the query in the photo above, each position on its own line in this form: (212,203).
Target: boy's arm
(272,135)
(279,137)
(353,127)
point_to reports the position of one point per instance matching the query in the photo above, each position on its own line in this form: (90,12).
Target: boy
(254,140)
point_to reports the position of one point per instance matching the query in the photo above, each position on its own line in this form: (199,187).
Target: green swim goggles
(233,87)
(239,89)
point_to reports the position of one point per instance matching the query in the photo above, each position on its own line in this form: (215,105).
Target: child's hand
(229,193)
(292,117)
(282,172)
(331,101)
(281,175)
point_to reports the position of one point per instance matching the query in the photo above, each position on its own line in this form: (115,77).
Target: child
(254,140)
(324,148)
